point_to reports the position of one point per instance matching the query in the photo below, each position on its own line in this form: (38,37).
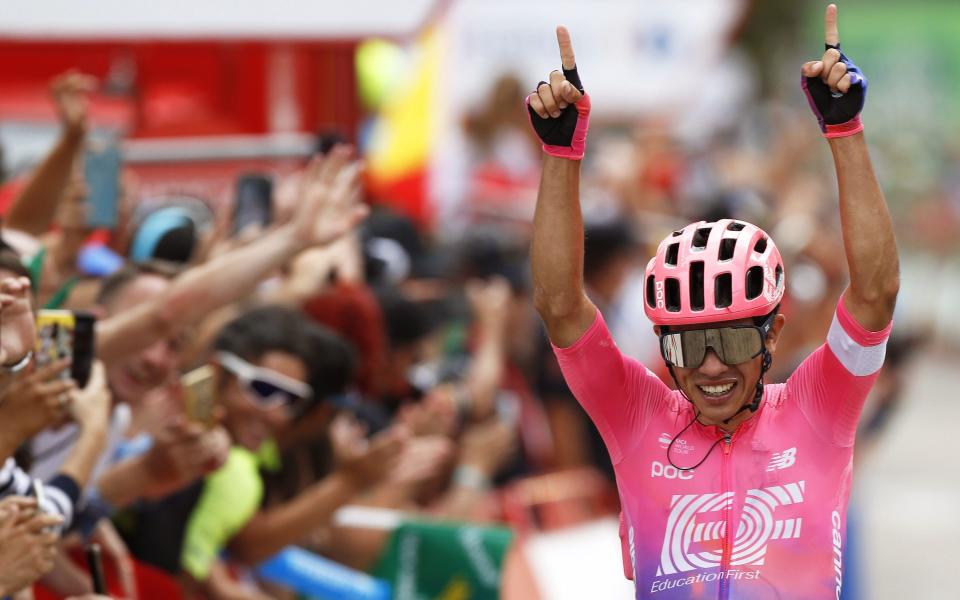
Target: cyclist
(729,488)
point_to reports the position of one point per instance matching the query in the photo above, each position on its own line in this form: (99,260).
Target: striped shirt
(61,492)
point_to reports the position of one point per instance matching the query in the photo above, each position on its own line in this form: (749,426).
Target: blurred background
(698,113)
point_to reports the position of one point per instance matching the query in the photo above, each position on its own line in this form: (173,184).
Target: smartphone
(199,395)
(83,347)
(101,166)
(95,564)
(66,334)
(253,204)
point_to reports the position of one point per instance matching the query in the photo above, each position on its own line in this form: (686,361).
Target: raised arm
(35,207)
(559,111)
(867,236)
(836,91)
(91,411)
(329,208)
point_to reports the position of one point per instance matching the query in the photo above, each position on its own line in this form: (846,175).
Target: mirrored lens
(733,345)
(739,344)
(684,349)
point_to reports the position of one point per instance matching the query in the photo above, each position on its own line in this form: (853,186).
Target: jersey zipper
(726,482)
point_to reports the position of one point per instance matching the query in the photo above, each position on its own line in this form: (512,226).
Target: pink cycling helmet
(709,272)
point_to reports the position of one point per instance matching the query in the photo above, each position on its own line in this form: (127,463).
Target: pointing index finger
(566,48)
(832,35)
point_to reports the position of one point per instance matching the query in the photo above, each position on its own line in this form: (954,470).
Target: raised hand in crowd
(27,544)
(17,328)
(490,303)
(330,199)
(328,209)
(34,209)
(70,93)
(486,447)
(422,459)
(365,462)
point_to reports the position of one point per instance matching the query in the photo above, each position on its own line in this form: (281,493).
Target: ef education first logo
(696,525)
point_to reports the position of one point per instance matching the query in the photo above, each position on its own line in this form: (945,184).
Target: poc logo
(658,469)
(659,294)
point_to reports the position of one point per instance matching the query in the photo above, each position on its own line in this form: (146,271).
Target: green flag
(444,561)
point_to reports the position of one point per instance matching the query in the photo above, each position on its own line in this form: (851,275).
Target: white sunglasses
(269,388)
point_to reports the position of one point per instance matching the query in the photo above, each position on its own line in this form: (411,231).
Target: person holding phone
(270,365)
(31,401)
(729,488)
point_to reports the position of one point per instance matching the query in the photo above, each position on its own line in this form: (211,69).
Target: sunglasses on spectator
(733,345)
(267,387)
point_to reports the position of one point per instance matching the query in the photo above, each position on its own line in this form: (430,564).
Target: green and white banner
(444,561)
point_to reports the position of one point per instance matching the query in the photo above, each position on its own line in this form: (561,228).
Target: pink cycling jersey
(765,515)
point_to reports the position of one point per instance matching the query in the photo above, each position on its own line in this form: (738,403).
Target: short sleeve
(831,385)
(619,394)
(230,498)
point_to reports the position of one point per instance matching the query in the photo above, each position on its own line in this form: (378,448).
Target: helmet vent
(760,246)
(754,282)
(671,258)
(677,233)
(736,226)
(779,274)
(672,294)
(727,246)
(700,238)
(696,285)
(723,290)
(651,299)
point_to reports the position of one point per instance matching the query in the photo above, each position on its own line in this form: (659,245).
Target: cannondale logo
(696,527)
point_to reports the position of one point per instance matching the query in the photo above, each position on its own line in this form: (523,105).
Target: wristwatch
(19,365)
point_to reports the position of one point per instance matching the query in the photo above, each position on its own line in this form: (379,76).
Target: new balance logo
(696,528)
(783,460)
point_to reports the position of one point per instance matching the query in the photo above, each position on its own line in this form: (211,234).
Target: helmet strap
(758,394)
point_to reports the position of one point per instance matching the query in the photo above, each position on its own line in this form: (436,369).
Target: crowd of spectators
(358,361)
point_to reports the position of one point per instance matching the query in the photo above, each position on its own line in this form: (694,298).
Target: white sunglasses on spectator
(268,388)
